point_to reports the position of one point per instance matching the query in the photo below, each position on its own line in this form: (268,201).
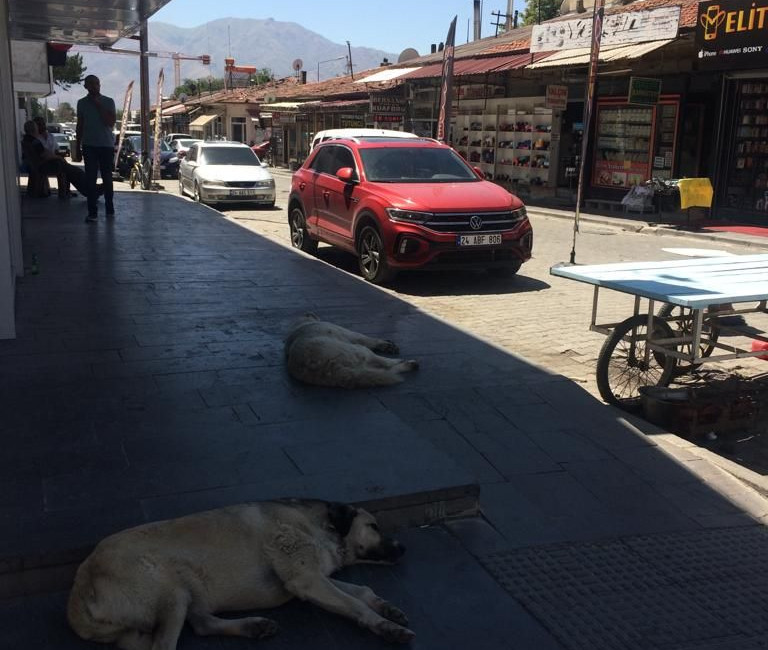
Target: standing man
(95,142)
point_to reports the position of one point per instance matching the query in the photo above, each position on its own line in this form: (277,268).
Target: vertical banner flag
(124,119)
(446,87)
(158,120)
(589,100)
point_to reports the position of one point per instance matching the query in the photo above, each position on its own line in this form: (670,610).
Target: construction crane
(177,57)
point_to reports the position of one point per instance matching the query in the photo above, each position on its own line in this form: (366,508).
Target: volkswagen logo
(475,222)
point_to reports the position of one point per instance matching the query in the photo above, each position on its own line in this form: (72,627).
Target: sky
(392,26)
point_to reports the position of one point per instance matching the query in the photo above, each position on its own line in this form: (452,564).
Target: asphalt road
(535,315)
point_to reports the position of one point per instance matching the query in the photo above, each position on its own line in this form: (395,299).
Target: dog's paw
(261,628)
(389,611)
(386,347)
(393,632)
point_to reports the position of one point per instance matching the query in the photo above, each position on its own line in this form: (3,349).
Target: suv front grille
(489,221)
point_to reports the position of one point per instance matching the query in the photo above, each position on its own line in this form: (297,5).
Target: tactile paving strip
(700,590)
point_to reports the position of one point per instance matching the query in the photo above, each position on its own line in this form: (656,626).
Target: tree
(65,112)
(261,77)
(73,72)
(196,87)
(537,11)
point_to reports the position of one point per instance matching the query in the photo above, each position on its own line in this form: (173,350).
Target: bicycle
(141,172)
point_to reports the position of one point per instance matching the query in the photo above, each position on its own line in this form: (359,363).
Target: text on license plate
(478,240)
(242,192)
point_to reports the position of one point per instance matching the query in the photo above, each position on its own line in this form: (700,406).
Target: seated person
(42,161)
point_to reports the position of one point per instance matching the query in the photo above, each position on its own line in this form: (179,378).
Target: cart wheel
(684,326)
(622,366)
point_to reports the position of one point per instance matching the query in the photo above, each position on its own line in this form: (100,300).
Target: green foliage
(262,76)
(65,112)
(72,73)
(537,11)
(36,109)
(193,88)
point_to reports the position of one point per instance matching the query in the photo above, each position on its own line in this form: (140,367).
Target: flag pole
(589,100)
(446,85)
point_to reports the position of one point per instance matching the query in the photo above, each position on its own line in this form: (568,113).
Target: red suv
(405,204)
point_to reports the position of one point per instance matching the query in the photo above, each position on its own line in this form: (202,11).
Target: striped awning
(202,120)
(580,56)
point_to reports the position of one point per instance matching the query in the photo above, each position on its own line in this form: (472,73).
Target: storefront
(731,39)
(634,141)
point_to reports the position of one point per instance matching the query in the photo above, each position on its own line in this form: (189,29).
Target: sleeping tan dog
(139,586)
(324,354)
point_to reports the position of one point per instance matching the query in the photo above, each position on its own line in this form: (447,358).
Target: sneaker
(91,218)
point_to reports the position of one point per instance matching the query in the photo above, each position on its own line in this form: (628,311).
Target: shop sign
(351,121)
(387,118)
(732,34)
(643,90)
(618,29)
(556,97)
(387,105)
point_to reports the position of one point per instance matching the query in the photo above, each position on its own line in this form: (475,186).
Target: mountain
(265,43)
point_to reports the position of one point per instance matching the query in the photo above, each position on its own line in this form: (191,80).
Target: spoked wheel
(299,235)
(625,363)
(133,179)
(683,326)
(372,258)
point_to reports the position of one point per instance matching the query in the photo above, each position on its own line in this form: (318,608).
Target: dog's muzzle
(389,551)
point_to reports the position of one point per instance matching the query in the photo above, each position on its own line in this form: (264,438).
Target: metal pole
(144,84)
(597,32)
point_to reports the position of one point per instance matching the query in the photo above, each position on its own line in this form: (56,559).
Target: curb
(650,227)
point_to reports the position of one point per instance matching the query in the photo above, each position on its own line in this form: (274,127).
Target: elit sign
(732,34)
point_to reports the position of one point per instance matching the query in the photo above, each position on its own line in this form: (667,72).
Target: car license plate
(241,192)
(478,240)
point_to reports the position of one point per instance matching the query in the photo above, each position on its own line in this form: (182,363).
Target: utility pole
(351,70)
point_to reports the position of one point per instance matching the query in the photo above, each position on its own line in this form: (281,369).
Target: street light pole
(338,58)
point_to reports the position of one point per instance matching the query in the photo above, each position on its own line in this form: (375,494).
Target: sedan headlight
(408,216)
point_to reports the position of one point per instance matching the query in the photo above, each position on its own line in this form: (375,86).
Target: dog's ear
(341,516)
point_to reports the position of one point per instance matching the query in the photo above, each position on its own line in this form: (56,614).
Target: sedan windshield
(415,165)
(228,156)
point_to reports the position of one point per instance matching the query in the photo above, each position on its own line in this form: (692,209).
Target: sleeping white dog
(324,354)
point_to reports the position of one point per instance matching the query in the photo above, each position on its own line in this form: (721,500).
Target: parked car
(405,204)
(180,146)
(170,137)
(130,152)
(225,172)
(332,134)
(62,144)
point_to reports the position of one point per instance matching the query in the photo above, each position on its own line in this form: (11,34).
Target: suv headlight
(409,216)
(519,214)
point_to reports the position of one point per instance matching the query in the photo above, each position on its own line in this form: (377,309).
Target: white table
(647,346)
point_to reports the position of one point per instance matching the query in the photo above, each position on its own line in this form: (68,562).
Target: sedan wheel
(372,258)
(196,193)
(299,235)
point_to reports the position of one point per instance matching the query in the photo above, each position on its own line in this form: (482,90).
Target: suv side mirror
(346,174)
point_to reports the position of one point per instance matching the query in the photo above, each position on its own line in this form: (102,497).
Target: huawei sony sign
(732,34)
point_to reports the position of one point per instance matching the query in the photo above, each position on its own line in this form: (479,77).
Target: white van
(332,134)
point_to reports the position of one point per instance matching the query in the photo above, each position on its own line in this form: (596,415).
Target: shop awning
(202,120)
(385,75)
(174,110)
(580,56)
